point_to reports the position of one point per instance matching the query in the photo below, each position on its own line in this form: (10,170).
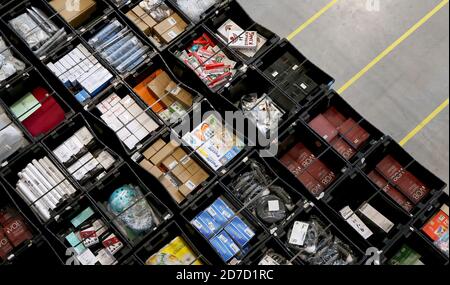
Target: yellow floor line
(392,47)
(424,123)
(311,20)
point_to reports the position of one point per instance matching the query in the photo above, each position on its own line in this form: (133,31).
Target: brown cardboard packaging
(75,17)
(334,117)
(144,27)
(178,170)
(179,154)
(153,149)
(172,189)
(150,168)
(310,183)
(194,182)
(158,87)
(159,144)
(184,176)
(324,128)
(139,11)
(179,94)
(193,167)
(164,152)
(149,153)
(396,195)
(171,34)
(170,163)
(149,21)
(170,22)
(132,16)
(354,133)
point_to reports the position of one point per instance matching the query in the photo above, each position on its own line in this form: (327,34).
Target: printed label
(298,234)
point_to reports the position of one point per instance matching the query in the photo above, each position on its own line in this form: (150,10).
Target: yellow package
(177,252)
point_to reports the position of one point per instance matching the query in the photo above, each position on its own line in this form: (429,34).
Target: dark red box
(321,173)
(310,183)
(334,117)
(389,167)
(410,186)
(343,148)
(354,133)
(396,195)
(291,165)
(302,155)
(324,128)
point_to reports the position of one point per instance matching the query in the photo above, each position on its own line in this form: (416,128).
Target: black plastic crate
(347,140)
(82,215)
(287,198)
(244,87)
(356,192)
(102,10)
(271,253)
(37,252)
(146,54)
(10,49)
(202,112)
(20,8)
(102,193)
(71,162)
(204,202)
(299,135)
(208,12)
(97,109)
(10,175)
(18,253)
(30,82)
(163,238)
(388,147)
(294,73)
(143,76)
(430,256)
(187,41)
(305,215)
(166,136)
(153,37)
(234,12)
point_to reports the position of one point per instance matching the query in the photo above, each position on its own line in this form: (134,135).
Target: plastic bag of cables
(318,246)
(9,65)
(269,202)
(195,8)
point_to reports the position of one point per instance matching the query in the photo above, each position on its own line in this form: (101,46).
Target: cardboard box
(184,177)
(324,128)
(178,170)
(172,190)
(171,34)
(168,23)
(75,17)
(193,167)
(158,87)
(149,21)
(132,16)
(164,152)
(150,168)
(179,94)
(139,11)
(179,154)
(395,195)
(144,27)
(354,133)
(170,163)
(334,117)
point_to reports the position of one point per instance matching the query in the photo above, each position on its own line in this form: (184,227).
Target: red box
(302,155)
(324,128)
(310,183)
(410,186)
(334,117)
(389,167)
(343,148)
(395,195)
(354,133)
(436,226)
(291,164)
(321,173)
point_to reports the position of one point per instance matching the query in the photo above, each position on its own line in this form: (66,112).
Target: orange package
(148,97)
(438,225)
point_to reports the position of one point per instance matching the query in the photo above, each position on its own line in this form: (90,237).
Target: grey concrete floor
(402,89)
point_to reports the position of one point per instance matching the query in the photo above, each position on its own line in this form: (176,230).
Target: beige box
(158,87)
(172,189)
(168,23)
(170,163)
(171,34)
(139,11)
(164,152)
(149,21)
(179,94)
(152,169)
(75,17)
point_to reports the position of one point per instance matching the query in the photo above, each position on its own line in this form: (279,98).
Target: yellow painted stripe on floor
(392,46)
(311,20)
(424,123)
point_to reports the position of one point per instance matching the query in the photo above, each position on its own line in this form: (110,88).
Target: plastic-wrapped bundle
(105,34)
(262,111)
(11,137)
(132,209)
(195,8)
(9,65)
(30,31)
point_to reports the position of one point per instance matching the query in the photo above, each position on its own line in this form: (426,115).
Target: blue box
(240,231)
(220,207)
(206,224)
(225,246)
